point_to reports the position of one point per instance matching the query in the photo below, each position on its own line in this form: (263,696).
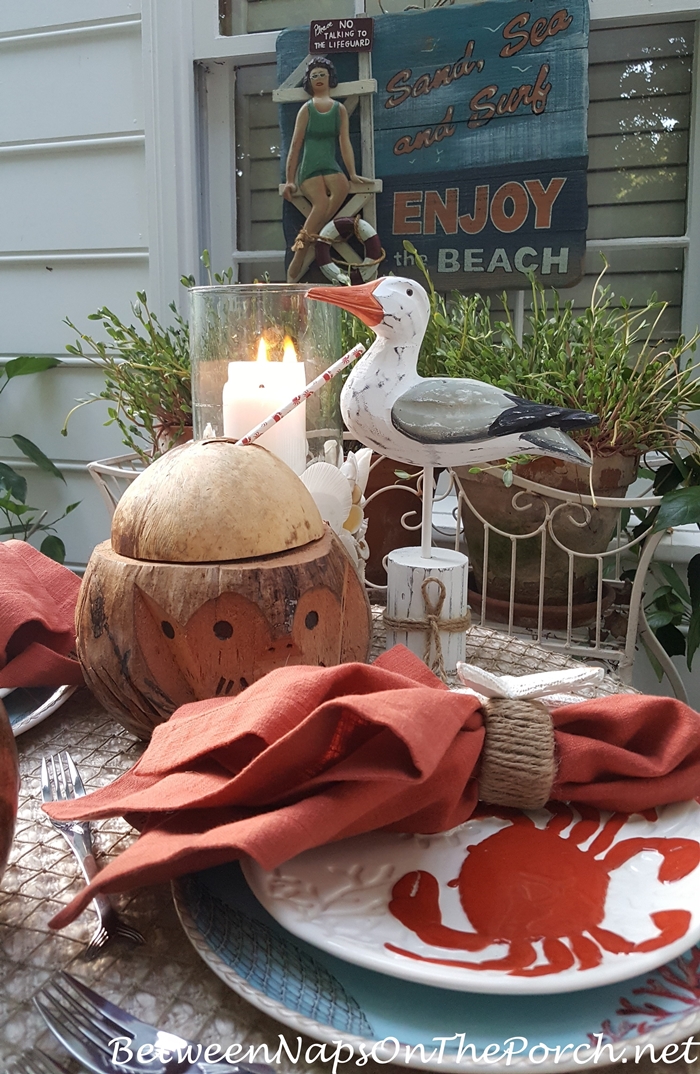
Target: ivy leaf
(28,448)
(13,482)
(678,508)
(10,531)
(28,363)
(675,581)
(54,548)
(658,619)
(693,639)
(671,639)
(666,478)
(10,507)
(694,581)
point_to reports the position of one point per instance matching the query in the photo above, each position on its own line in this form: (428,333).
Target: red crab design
(523,884)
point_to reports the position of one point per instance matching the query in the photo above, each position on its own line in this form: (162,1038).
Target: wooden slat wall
(640,97)
(74,234)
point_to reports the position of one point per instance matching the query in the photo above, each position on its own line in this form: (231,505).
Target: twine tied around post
(432,625)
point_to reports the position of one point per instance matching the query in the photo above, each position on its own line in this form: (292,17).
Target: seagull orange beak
(359,300)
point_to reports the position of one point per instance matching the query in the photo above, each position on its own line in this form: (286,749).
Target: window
(638,125)
(259,205)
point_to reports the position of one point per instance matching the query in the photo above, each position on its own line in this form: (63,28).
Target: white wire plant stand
(626,552)
(113,476)
(616,649)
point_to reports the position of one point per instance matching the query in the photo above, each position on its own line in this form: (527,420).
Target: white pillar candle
(254,390)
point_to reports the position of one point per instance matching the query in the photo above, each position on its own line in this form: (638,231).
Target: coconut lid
(211,501)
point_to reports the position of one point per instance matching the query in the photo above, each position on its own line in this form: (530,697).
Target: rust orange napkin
(309,755)
(37,609)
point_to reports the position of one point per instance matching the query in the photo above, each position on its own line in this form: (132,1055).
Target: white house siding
(73,233)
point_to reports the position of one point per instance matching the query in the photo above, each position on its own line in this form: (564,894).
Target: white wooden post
(407,570)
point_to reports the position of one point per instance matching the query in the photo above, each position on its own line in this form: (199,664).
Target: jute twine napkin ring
(432,625)
(518,765)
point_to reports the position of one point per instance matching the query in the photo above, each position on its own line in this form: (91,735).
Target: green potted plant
(19,519)
(148,384)
(673,608)
(147,377)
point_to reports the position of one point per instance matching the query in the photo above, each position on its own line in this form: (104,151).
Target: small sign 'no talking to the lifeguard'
(340,35)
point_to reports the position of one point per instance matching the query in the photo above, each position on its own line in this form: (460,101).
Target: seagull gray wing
(439,410)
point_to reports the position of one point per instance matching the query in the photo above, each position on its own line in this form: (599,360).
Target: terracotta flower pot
(554,617)
(612,476)
(167,436)
(9,787)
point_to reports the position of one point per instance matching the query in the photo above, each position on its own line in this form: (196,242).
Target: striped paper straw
(308,391)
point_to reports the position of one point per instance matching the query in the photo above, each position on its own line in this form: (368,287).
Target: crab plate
(562,899)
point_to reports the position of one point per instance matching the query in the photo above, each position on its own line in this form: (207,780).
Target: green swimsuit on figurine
(320,143)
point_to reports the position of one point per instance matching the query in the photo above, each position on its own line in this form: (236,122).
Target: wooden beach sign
(480,139)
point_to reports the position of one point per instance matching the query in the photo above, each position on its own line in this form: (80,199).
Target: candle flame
(262,350)
(289,354)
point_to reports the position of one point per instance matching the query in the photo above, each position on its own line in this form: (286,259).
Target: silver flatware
(96,1033)
(60,781)
(35,1062)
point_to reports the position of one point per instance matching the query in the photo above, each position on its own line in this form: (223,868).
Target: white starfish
(522,687)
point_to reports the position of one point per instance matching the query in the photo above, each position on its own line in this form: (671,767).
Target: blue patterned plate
(416,1025)
(28,706)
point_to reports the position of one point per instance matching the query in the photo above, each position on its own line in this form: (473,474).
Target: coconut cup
(220,569)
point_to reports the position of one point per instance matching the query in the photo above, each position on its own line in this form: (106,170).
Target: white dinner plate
(519,903)
(27,706)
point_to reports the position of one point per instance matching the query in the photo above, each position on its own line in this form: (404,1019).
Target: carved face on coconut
(153,636)
(227,644)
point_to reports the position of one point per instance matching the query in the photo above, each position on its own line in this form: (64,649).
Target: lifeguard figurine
(321,125)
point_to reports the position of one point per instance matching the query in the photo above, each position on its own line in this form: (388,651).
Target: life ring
(343,228)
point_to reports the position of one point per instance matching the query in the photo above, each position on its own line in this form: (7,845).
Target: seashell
(331,452)
(330,491)
(354,518)
(350,546)
(349,469)
(362,548)
(363,458)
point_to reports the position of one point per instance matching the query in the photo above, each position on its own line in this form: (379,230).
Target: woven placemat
(164,981)
(509,654)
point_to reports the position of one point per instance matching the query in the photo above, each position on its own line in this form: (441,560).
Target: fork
(105,1038)
(35,1062)
(56,785)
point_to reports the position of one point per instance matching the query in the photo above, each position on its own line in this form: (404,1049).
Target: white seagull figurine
(435,421)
